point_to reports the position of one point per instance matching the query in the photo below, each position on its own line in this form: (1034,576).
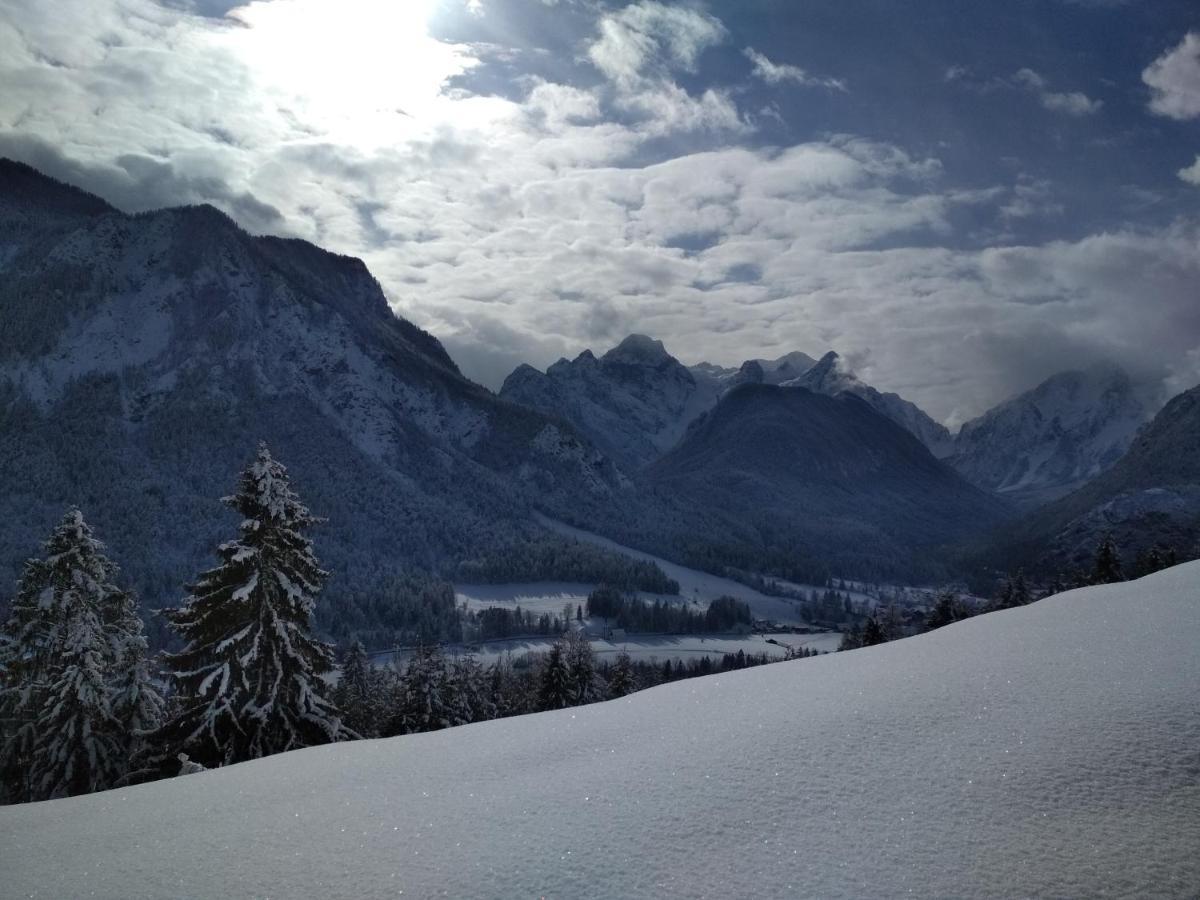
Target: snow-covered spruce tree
(469,692)
(359,693)
(424,701)
(137,705)
(555,688)
(947,610)
(77,749)
(873,633)
(1107,568)
(54,642)
(581,666)
(249,679)
(620,681)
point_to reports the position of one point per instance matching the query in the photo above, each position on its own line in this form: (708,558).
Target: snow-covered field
(547,596)
(694,584)
(1022,753)
(535,596)
(645,648)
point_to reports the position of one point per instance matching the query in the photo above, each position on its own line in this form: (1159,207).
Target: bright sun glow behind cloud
(360,72)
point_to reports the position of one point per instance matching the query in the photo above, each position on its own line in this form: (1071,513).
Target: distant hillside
(1151,496)
(829,474)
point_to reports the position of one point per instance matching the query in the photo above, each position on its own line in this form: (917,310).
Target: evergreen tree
(1020,590)
(137,705)
(1107,568)
(469,693)
(556,690)
(947,609)
(53,640)
(358,693)
(249,678)
(510,694)
(424,702)
(1015,593)
(1149,561)
(873,633)
(581,667)
(851,639)
(620,681)
(77,749)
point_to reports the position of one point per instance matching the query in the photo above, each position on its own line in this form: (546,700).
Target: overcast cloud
(528,179)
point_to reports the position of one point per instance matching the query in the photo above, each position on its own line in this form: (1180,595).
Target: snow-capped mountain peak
(1049,440)
(639,350)
(634,402)
(829,375)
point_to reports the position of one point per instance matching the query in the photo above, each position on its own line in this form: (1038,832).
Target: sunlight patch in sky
(359,72)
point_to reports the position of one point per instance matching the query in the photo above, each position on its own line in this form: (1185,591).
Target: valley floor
(702,586)
(1021,753)
(640,647)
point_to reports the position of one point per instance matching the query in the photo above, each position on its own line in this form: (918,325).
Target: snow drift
(1052,750)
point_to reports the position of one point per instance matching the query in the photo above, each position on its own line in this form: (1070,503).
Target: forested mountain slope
(143,357)
(830,474)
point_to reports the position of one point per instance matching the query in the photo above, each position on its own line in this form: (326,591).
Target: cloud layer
(1174,80)
(524,203)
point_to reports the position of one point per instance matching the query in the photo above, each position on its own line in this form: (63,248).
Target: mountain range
(142,357)
(636,402)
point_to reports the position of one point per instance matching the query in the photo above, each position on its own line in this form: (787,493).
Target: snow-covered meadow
(639,647)
(1021,753)
(701,587)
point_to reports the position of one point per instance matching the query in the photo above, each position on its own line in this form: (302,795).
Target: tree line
(83,709)
(1014,591)
(634,614)
(554,558)
(432,691)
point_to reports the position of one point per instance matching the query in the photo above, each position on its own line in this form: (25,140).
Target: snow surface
(533,596)
(694,584)
(546,596)
(640,647)
(1021,753)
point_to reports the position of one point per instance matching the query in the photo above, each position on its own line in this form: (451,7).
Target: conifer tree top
(265,493)
(71,534)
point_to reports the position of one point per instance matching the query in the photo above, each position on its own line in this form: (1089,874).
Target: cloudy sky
(961,198)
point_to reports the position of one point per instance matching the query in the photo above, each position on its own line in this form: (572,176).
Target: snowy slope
(1023,753)
(702,587)
(1051,439)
